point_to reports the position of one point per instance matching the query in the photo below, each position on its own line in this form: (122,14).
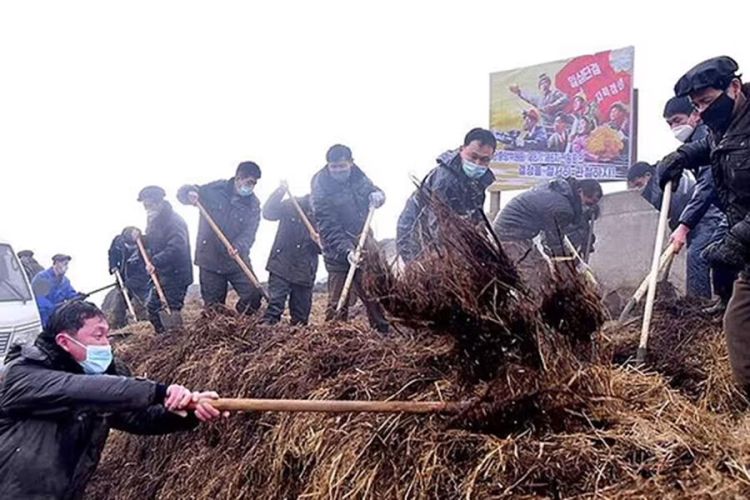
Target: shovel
(664,263)
(219,234)
(640,356)
(585,269)
(357,258)
(131,311)
(154,277)
(333,406)
(310,229)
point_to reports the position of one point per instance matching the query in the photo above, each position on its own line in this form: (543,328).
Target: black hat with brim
(716,73)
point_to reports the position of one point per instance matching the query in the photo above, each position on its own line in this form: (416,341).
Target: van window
(12,282)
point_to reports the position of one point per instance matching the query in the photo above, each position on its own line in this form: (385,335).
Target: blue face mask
(98,358)
(245,190)
(340,175)
(472,170)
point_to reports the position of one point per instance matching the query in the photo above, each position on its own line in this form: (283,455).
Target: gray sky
(98,99)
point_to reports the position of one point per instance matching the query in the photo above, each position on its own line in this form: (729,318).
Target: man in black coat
(168,245)
(459,181)
(717,93)
(341,197)
(232,204)
(125,258)
(30,265)
(293,262)
(60,396)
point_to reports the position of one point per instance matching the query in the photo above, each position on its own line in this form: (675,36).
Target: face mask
(340,175)
(98,358)
(245,190)
(472,170)
(718,115)
(683,132)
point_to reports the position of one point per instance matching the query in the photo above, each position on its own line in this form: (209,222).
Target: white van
(19,317)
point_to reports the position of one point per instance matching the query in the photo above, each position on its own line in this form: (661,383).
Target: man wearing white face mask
(236,209)
(459,181)
(60,396)
(700,223)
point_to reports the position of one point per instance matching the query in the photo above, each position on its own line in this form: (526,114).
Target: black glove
(670,169)
(734,249)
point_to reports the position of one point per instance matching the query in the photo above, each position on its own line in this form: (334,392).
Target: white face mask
(683,132)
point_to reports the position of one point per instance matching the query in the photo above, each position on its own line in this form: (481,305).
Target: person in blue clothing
(52,288)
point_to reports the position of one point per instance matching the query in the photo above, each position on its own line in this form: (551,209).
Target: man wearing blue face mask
(236,209)
(717,93)
(459,181)
(60,396)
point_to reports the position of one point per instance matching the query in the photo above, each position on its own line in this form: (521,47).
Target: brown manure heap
(550,416)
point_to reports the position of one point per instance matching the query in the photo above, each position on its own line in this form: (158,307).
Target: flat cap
(61,257)
(151,193)
(716,72)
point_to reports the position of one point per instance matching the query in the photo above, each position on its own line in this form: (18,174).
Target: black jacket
(294,255)
(237,216)
(729,157)
(340,210)
(168,245)
(127,260)
(54,420)
(552,208)
(417,224)
(31,267)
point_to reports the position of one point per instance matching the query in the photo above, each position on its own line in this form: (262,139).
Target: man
(341,197)
(459,182)
(232,204)
(167,242)
(551,102)
(558,141)
(551,209)
(293,262)
(701,223)
(30,265)
(52,287)
(642,176)
(717,93)
(125,259)
(618,119)
(60,396)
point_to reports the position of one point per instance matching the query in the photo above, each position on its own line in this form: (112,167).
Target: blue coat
(51,291)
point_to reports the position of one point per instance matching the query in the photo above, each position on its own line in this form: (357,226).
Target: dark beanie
(678,106)
(640,169)
(338,152)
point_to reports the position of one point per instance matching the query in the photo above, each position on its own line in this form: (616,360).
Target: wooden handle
(310,229)
(125,295)
(217,230)
(353,267)
(154,277)
(666,258)
(333,406)
(651,294)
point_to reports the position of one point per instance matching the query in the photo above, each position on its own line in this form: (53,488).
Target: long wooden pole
(333,406)
(640,357)
(357,256)
(154,277)
(125,296)
(310,229)
(245,268)
(586,269)
(665,259)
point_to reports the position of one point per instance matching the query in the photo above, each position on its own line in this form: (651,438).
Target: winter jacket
(294,255)
(418,225)
(680,198)
(551,208)
(51,290)
(168,245)
(127,260)
(340,210)
(30,266)
(54,420)
(237,216)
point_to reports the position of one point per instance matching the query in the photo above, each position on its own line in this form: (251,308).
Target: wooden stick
(357,255)
(124,291)
(640,357)
(154,277)
(666,258)
(586,270)
(310,229)
(245,268)
(333,406)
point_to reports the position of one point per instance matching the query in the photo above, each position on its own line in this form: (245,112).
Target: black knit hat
(339,152)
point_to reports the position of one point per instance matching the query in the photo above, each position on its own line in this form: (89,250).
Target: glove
(377,198)
(729,252)
(352,258)
(670,169)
